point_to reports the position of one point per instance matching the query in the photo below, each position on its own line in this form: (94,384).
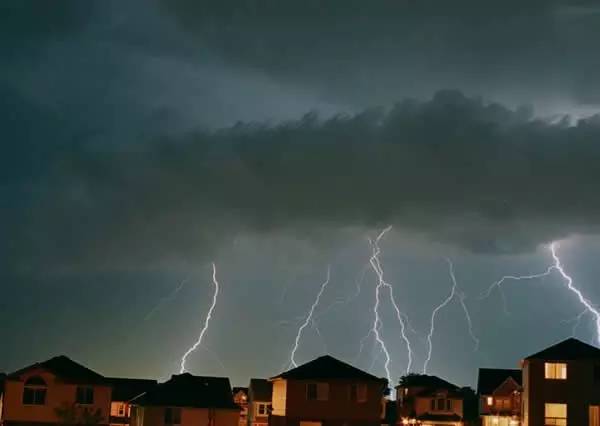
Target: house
(561,385)
(56,391)
(327,391)
(240,397)
(123,391)
(259,402)
(424,400)
(187,400)
(499,392)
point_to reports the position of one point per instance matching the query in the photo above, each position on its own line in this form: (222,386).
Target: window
(34,391)
(503,404)
(441,404)
(317,391)
(490,400)
(555,414)
(358,392)
(85,395)
(555,370)
(119,409)
(262,409)
(172,416)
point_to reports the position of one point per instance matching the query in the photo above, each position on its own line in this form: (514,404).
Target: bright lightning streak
(432,323)
(501,281)
(454,291)
(377,268)
(308,319)
(166,299)
(475,339)
(569,281)
(208,317)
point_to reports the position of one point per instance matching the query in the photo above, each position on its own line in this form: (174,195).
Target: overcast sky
(142,140)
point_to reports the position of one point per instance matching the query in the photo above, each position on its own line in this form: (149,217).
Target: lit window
(34,392)
(555,415)
(555,370)
(490,400)
(262,408)
(85,395)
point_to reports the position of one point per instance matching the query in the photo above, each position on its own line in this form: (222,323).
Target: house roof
(426,381)
(489,379)
(569,349)
(186,390)
(65,368)
(261,390)
(327,367)
(126,389)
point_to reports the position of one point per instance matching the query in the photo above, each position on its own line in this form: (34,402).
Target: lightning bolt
(208,317)
(166,299)
(556,266)
(498,284)
(454,291)
(381,283)
(569,283)
(308,320)
(432,323)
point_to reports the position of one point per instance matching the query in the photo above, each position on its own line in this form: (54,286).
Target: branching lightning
(454,292)
(569,282)
(498,284)
(208,317)
(381,283)
(308,320)
(166,299)
(432,323)
(556,266)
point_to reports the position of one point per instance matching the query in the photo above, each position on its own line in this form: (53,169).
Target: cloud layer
(453,168)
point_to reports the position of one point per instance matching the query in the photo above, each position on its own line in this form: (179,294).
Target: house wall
(508,390)
(338,409)
(154,416)
(253,417)
(57,394)
(423,406)
(578,391)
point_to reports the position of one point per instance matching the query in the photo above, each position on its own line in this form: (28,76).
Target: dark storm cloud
(454,168)
(356,50)
(88,91)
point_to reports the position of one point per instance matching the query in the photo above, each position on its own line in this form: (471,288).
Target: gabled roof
(327,367)
(489,379)
(260,390)
(65,368)
(127,389)
(185,390)
(567,350)
(425,381)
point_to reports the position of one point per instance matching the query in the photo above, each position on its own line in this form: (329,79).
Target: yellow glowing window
(556,370)
(490,400)
(555,414)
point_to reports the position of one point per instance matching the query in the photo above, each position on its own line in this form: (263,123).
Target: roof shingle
(489,379)
(126,389)
(66,369)
(327,367)
(567,350)
(186,390)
